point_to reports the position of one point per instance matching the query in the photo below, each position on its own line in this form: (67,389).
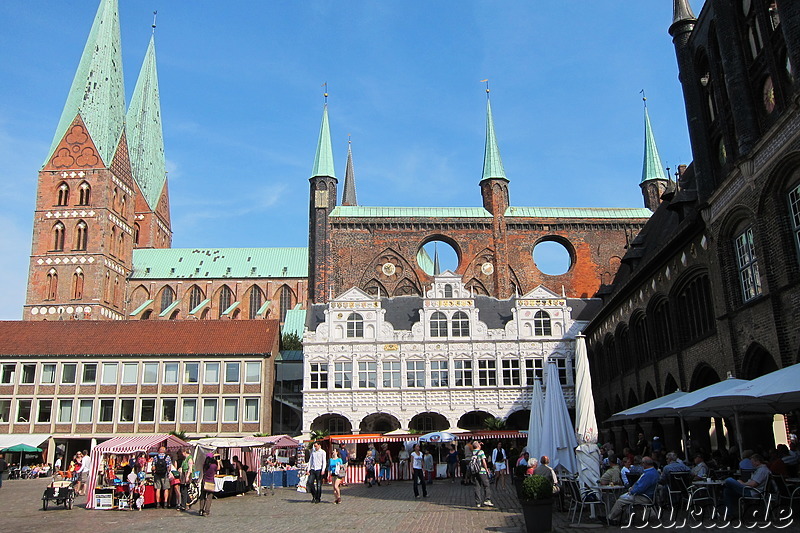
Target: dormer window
(448,291)
(541,324)
(438,324)
(355,326)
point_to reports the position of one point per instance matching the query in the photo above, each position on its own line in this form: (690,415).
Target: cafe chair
(678,484)
(762,499)
(787,494)
(647,510)
(580,499)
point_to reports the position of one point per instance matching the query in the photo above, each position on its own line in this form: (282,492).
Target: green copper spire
(436,268)
(97,91)
(144,132)
(652,169)
(323,161)
(349,190)
(492,164)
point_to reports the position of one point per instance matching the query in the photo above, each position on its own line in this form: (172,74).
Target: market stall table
(713,486)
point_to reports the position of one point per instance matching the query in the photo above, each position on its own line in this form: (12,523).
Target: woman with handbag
(210,468)
(337,469)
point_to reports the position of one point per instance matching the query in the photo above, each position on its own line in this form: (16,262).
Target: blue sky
(242,100)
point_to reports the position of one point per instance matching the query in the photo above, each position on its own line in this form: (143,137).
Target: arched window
(115,199)
(167,297)
(747,264)
(256,301)
(460,324)
(84,192)
(63,194)
(285,301)
(355,326)
(661,332)
(136,230)
(52,285)
(225,295)
(77,284)
(641,344)
(448,291)
(438,324)
(81,235)
(58,236)
(115,295)
(121,245)
(195,297)
(624,348)
(113,247)
(541,324)
(695,309)
(107,287)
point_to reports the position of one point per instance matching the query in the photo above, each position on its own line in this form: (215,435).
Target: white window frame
(61,404)
(84,368)
(415,374)
(367,370)
(141,410)
(161,414)
(39,410)
(186,376)
(343,375)
(225,403)
(125,369)
(185,402)
(177,369)
(464,373)
(25,420)
(210,401)
(511,373)
(248,402)
(460,326)
(53,375)
(74,367)
(22,374)
(318,376)
(81,404)
(392,374)
(5,408)
(206,366)
(103,375)
(231,364)
(487,373)
(534,369)
(247,377)
(440,373)
(11,376)
(104,401)
(154,375)
(122,403)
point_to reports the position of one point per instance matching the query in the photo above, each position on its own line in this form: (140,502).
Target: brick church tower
(88,202)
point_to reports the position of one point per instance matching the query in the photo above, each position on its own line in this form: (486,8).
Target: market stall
(107,487)
(227,481)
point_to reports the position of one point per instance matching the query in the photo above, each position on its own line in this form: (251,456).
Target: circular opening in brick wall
(552,258)
(447,257)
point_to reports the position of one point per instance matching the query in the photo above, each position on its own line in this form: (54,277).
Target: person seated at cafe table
(733,489)
(700,470)
(642,492)
(612,476)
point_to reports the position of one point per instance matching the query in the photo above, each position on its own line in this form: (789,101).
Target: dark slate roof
(584,309)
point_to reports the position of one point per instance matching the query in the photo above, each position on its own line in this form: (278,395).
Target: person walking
(344,455)
(452,461)
(417,463)
(3,468)
(185,472)
(403,466)
(386,464)
(336,468)
(500,461)
(162,465)
(210,468)
(483,493)
(369,470)
(429,466)
(317,466)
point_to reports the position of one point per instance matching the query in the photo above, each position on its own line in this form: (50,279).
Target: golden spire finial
(486,81)
(325,93)
(155,13)
(644,97)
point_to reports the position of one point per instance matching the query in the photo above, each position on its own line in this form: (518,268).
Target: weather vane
(325,94)
(486,81)
(155,13)
(644,97)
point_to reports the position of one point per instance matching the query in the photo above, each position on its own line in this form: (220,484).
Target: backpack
(474,465)
(160,466)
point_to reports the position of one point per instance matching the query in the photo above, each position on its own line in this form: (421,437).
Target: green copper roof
(187,263)
(295,321)
(142,307)
(97,91)
(145,136)
(406,212)
(349,189)
(578,212)
(652,169)
(168,309)
(200,306)
(492,164)
(323,161)
(425,262)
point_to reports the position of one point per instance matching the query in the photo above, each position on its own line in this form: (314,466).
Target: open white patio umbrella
(587,454)
(437,437)
(558,434)
(535,422)
(780,388)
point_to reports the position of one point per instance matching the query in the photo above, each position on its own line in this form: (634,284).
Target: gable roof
(204,263)
(137,337)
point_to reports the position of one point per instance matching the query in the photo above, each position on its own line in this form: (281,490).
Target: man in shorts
(162,466)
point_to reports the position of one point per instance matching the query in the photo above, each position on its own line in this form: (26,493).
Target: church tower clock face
(388,269)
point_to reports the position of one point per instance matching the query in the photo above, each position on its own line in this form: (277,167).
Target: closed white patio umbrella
(588,456)
(558,434)
(536,419)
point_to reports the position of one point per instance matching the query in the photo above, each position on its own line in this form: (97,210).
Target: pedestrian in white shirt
(317,465)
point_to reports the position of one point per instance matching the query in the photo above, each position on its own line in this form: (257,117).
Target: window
(8,371)
(126,410)
(136,230)
(355,326)
(391,374)
(448,291)
(191,372)
(189,410)
(24,411)
(460,324)
(148,410)
(195,297)
(561,366)
(58,237)
(130,373)
(65,411)
(747,263)
(230,410)
(256,301)
(5,410)
(533,370)
(168,406)
(83,194)
(225,295)
(342,375)
(211,373)
(695,309)
(487,373)
(319,376)
(106,410)
(109,375)
(251,409)
(85,408)
(252,372)
(438,324)
(150,374)
(45,411)
(463,372)
(89,374)
(231,372)
(794,208)
(48,373)
(81,235)
(167,297)
(63,194)
(285,301)
(77,284)
(52,285)
(68,373)
(511,372)
(170,373)
(439,376)
(415,376)
(367,374)
(541,324)
(210,410)
(28,373)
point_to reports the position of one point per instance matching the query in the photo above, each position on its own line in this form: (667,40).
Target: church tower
(84,217)
(322,200)
(654,177)
(151,227)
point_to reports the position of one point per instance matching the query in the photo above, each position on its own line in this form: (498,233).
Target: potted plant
(536,497)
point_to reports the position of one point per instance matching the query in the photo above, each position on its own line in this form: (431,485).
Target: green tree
(180,434)
(494,423)
(291,341)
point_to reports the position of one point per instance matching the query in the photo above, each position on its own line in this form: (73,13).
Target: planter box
(538,515)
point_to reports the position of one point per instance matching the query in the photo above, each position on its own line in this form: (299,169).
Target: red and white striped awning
(140,443)
(471,435)
(504,434)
